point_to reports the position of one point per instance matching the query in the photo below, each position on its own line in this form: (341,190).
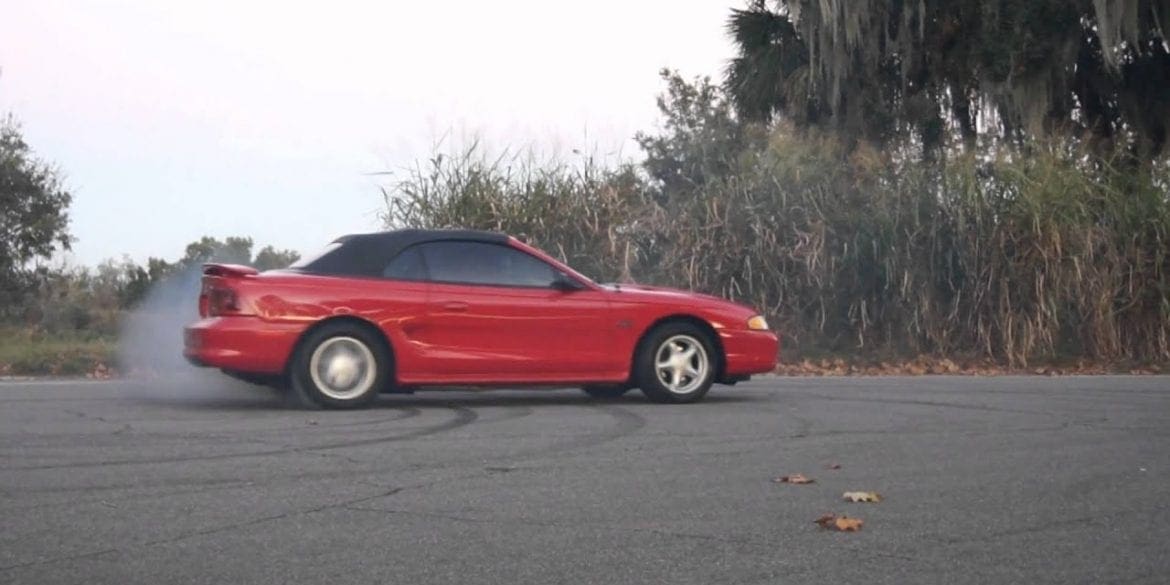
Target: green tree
(34,205)
(930,69)
(700,139)
(136,279)
(269,258)
(231,250)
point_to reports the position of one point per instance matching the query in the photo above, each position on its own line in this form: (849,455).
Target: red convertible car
(399,310)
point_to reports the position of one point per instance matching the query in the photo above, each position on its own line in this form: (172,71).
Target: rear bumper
(244,344)
(749,352)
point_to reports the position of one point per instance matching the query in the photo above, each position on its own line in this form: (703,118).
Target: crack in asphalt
(556,524)
(208,486)
(206,531)
(934,403)
(628,423)
(1037,528)
(463,416)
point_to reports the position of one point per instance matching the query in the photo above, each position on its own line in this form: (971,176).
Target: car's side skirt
(544,379)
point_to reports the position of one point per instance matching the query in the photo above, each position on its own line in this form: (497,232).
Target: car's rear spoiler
(228,270)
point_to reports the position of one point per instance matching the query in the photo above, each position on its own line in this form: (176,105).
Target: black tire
(273,381)
(662,341)
(605,392)
(356,344)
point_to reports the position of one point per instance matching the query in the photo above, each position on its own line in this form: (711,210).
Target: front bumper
(749,352)
(244,344)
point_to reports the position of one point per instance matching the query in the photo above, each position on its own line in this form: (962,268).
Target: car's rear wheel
(273,381)
(340,365)
(676,363)
(605,391)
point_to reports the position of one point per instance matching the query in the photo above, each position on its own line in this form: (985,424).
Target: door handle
(455,306)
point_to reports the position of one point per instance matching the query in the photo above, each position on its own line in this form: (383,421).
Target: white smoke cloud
(150,346)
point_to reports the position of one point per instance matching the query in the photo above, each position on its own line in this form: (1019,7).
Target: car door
(403,292)
(494,316)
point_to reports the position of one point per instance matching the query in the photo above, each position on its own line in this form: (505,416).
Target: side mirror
(564,283)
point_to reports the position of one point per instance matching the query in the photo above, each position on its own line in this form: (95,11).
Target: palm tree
(771,73)
(936,69)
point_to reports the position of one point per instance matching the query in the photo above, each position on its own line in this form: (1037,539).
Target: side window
(407,265)
(480,263)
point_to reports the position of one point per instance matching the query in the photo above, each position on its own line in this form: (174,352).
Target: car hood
(661,294)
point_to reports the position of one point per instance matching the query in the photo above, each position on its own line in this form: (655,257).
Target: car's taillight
(218,300)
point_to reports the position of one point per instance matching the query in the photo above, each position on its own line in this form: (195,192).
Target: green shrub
(26,353)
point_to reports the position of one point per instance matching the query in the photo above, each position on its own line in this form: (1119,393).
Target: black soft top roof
(368,254)
(402,239)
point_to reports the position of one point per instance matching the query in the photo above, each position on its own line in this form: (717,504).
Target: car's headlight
(758,323)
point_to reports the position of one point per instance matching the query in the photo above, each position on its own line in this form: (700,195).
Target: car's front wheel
(340,366)
(676,364)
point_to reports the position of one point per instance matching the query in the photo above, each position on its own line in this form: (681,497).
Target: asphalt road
(995,480)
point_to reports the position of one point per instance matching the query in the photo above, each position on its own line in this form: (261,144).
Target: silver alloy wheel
(343,368)
(681,364)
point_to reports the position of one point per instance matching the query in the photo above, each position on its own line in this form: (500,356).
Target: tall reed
(1015,255)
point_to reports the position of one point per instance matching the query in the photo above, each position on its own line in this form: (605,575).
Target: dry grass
(25,353)
(1014,256)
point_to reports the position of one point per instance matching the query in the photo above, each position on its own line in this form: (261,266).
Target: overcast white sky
(172,120)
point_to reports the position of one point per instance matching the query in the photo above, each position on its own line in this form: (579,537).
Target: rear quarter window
(356,257)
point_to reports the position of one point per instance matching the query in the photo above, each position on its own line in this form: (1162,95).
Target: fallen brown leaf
(967,366)
(872,497)
(839,523)
(795,478)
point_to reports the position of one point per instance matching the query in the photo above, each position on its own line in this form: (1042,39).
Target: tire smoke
(150,345)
